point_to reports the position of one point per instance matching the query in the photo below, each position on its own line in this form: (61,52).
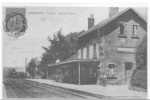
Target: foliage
(141,56)
(12,73)
(32,66)
(139,77)
(61,47)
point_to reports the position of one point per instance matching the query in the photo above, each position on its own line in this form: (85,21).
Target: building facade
(113,42)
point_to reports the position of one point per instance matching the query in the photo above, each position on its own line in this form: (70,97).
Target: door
(128,71)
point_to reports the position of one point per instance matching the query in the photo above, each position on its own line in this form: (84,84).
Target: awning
(74,61)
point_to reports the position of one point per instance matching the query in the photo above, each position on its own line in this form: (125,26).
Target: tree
(141,55)
(32,66)
(12,73)
(139,76)
(61,47)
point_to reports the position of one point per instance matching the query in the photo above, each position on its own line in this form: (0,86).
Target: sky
(45,21)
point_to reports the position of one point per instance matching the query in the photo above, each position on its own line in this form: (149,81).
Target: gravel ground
(19,88)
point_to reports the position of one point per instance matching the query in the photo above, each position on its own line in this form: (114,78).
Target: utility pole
(26,65)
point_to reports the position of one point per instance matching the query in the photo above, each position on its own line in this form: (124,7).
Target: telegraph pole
(26,65)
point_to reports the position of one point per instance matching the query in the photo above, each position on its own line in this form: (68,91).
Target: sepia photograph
(78,53)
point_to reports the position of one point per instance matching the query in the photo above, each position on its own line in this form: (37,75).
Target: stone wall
(118,51)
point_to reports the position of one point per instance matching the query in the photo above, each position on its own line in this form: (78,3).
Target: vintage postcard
(77,53)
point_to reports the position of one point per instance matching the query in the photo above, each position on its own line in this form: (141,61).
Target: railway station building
(107,49)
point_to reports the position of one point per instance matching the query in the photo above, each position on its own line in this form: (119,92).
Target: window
(81,53)
(101,51)
(111,69)
(122,26)
(84,53)
(94,51)
(121,29)
(111,66)
(128,65)
(87,55)
(134,29)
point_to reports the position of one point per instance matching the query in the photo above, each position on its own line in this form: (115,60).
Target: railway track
(70,91)
(53,90)
(59,92)
(18,88)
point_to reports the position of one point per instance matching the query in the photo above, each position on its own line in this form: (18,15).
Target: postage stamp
(15,23)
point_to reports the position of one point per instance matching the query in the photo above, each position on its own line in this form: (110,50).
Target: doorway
(128,71)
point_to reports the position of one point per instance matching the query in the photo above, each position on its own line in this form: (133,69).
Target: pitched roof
(108,20)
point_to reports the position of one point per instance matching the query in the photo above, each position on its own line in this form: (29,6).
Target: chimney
(113,11)
(91,21)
